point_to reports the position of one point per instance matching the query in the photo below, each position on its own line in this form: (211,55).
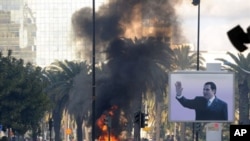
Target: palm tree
(186,60)
(241,68)
(139,66)
(80,97)
(60,74)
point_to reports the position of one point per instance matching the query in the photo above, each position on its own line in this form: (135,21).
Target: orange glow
(133,27)
(106,138)
(104,128)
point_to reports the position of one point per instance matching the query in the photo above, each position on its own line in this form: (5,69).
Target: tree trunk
(57,117)
(137,126)
(243,103)
(34,133)
(79,123)
(158,119)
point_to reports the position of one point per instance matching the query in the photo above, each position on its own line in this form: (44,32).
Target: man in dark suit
(208,106)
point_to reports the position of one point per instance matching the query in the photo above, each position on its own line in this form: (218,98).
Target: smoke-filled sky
(130,19)
(216,18)
(120,18)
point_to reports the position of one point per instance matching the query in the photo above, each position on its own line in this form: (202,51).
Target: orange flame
(106,138)
(104,128)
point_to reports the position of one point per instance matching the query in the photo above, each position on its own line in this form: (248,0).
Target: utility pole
(198,56)
(197,3)
(198,37)
(197,130)
(93,74)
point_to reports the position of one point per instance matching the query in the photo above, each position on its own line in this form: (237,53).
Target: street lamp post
(198,38)
(197,3)
(198,55)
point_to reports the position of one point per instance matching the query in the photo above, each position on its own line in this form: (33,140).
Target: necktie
(208,103)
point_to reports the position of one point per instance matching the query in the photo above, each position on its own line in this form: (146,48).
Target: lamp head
(196,2)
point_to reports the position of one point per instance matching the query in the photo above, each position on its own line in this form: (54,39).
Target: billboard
(201,96)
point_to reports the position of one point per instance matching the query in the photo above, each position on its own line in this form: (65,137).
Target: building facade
(17,30)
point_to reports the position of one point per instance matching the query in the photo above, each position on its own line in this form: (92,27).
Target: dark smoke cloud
(135,65)
(113,21)
(107,26)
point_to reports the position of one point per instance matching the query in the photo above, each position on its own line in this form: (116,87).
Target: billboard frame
(194,81)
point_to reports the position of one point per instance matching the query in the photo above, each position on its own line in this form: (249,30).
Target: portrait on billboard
(201,96)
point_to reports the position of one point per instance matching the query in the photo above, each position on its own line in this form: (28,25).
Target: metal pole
(93,75)
(193,132)
(198,57)
(109,133)
(198,64)
(197,136)
(198,38)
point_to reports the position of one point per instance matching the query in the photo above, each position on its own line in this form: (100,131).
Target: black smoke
(134,67)
(135,64)
(113,20)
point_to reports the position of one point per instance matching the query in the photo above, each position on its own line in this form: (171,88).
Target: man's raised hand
(178,88)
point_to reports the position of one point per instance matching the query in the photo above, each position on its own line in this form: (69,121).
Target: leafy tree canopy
(23,102)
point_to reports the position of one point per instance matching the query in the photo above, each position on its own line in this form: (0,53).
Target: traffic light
(144,120)
(137,117)
(197,127)
(107,121)
(196,2)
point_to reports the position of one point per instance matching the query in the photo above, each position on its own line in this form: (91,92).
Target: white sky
(53,20)
(217,17)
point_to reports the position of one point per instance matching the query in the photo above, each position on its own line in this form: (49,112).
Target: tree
(60,75)
(80,97)
(138,66)
(241,68)
(23,102)
(185,59)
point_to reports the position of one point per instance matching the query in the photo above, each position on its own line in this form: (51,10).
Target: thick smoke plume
(125,18)
(135,37)
(135,67)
